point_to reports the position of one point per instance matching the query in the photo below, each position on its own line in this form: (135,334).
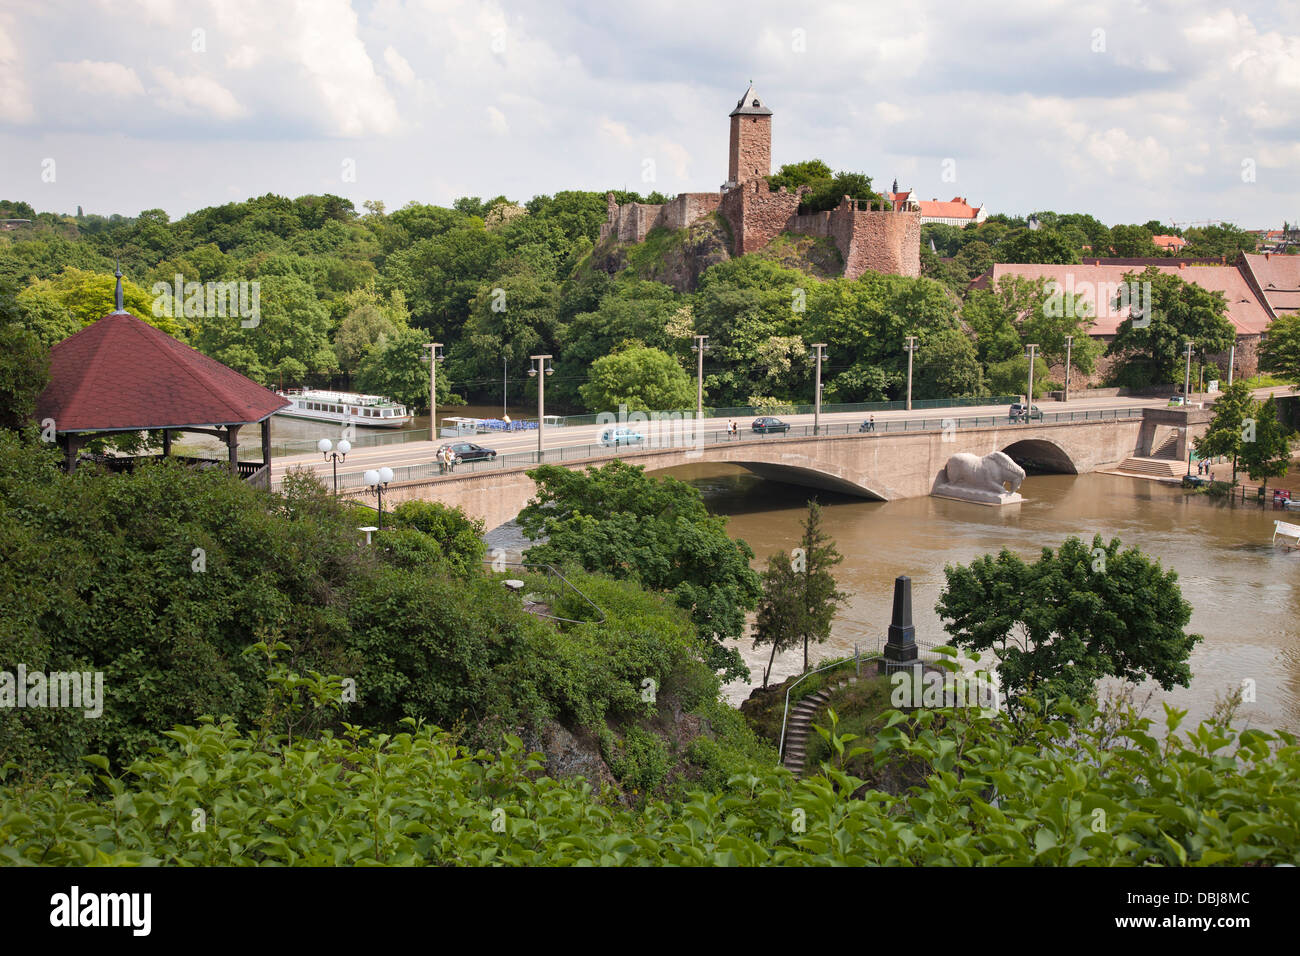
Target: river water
(1245,594)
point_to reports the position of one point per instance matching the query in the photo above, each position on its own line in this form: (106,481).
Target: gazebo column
(232,443)
(71,448)
(167,442)
(266,448)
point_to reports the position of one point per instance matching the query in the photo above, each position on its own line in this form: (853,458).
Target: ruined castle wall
(687,207)
(757,215)
(880,240)
(813,224)
(635,219)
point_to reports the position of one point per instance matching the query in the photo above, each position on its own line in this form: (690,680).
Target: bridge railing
(713,435)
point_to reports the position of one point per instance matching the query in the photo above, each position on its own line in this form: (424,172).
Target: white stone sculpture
(992,480)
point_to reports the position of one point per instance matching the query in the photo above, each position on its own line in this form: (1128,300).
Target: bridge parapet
(899,460)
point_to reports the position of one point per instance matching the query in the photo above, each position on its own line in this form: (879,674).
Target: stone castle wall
(631,221)
(757,215)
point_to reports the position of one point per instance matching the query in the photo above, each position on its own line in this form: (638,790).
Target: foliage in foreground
(1099,790)
(616,520)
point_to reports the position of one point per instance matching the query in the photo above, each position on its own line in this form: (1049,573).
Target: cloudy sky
(1178,110)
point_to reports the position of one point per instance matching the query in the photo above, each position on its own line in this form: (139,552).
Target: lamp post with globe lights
(325,446)
(376,481)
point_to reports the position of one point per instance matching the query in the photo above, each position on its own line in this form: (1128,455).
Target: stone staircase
(1155,467)
(1168,448)
(800,724)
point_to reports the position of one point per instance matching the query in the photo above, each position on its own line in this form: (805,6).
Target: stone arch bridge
(881,465)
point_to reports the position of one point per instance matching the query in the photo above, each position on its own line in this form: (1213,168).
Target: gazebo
(123,375)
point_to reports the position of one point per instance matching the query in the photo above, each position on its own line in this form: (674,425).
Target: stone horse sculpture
(993,480)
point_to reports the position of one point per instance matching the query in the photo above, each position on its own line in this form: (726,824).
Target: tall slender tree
(799,592)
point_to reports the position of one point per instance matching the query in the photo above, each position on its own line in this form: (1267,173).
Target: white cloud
(497,121)
(398,67)
(15,101)
(196,96)
(91,77)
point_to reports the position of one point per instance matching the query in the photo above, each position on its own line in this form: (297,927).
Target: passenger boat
(342,408)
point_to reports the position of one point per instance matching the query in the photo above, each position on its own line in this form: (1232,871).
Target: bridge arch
(798,475)
(1041,455)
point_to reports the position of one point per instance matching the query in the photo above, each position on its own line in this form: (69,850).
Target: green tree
(1070,618)
(643,379)
(360,331)
(287,343)
(1132,242)
(24,367)
(396,368)
(1011,377)
(1178,312)
(1267,453)
(815,585)
(1228,429)
(1038,245)
(779,618)
(1280,350)
(618,521)
(947,366)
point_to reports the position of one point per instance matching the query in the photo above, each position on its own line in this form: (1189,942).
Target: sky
(1181,111)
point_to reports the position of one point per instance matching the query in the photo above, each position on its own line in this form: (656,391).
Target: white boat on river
(342,408)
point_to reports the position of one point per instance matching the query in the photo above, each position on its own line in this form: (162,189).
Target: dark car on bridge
(766,425)
(468,451)
(1023,412)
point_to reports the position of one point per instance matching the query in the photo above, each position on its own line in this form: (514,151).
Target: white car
(1176,400)
(614,437)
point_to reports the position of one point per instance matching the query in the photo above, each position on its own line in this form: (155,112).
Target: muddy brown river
(1245,594)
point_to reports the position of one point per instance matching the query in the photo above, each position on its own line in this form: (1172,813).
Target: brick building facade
(882,237)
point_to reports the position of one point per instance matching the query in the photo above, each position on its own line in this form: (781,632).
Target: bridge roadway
(902,459)
(421,452)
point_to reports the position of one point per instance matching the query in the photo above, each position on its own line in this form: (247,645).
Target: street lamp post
(911,347)
(325,446)
(1029,399)
(699,348)
(1187,426)
(540,363)
(433,358)
(1069,341)
(817,390)
(377,481)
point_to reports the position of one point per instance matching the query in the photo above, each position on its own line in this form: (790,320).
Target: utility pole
(1187,379)
(505,374)
(540,363)
(911,347)
(699,348)
(434,357)
(1029,399)
(1069,341)
(817,390)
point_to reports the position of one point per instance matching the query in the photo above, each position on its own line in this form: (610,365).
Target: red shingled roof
(123,374)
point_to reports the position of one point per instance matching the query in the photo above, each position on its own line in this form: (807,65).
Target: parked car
(467,451)
(1024,411)
(613,437)
(765,425)
(1177,400)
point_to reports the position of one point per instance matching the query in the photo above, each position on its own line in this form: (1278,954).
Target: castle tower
(750,154)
